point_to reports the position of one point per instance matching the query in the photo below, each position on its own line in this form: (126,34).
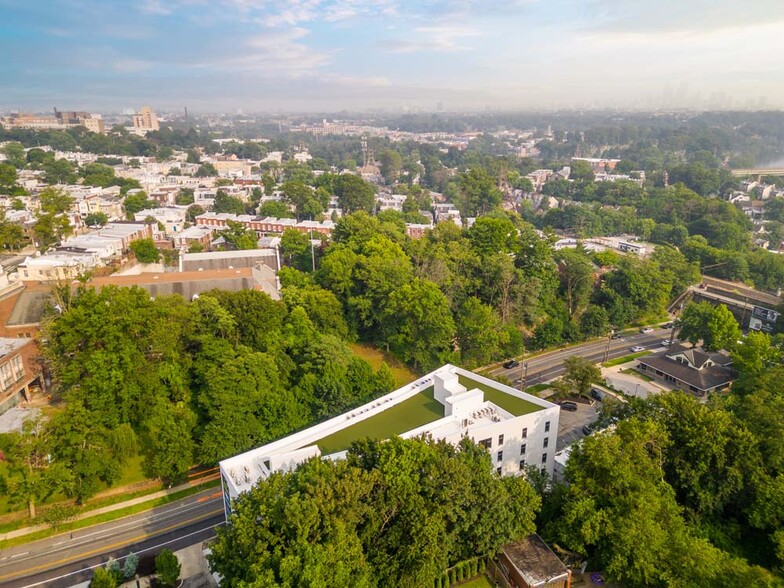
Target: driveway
(570,424)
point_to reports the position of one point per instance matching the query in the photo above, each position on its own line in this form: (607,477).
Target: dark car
(667,326)
(587,430)
(617,336)
(596,395)
(512,363)
(570,406)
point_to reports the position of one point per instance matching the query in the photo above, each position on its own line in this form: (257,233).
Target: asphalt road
(68,559)
(545,367)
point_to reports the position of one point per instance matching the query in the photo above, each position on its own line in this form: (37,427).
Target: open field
(374,356)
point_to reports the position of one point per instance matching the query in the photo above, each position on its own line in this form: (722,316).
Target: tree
(419,324)
(15,154)
(303,198)
(32,475)
(576,276)
(193,211)
(581,171)
(137,202)
(296,248)
(754,354)
(7,176)
(103,578)
(50,228)
(478,192)
(171,444)
(479,333)
(206,170)
(226,203)
(238,237)
(275,208)
(55,201)
(167,568)
(391,164)
(714,325)
(96,219)
(594,322)
(145,250)
(59,171)
(184,196)
(354,193)
(580,373)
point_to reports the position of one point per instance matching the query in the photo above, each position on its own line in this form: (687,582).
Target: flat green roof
(511,404)
(420,409)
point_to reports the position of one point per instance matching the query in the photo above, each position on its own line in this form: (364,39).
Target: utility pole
(607,348)
(312,252)
(525,377)
(672,328)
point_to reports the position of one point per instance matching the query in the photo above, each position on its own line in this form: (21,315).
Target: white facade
(514,441)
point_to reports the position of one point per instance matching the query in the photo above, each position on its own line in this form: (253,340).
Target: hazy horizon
(333,55)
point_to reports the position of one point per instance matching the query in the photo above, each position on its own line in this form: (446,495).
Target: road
(547,366)
(68,559)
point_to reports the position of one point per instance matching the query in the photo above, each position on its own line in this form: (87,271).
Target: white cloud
(131,65)
(275,52)
(440,38)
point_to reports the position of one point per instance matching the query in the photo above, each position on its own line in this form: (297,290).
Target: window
(546,442)
(547,427)
(500,439)
(486,443)
(525,433)
(544,471)
(522,449)
(544,457)
(498,471)
(500,456)
(522,465)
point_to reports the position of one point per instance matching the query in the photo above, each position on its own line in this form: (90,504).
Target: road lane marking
(105,548)
(123,557)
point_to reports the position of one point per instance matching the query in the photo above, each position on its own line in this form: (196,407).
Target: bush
(167,567)
(102,578)
(145,250)
(131,563)
(482,565)
(460,572)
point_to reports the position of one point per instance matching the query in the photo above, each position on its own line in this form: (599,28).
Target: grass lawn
(624,359)
(402,374)
(511,404)
(636,374)
(409,414)
(536,388)
(479,582)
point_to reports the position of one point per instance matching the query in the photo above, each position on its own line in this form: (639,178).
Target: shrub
(167,566)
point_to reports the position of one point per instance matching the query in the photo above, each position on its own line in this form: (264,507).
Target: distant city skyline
(329,55)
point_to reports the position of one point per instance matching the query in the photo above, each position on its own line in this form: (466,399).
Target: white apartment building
(518,429)
(171,217)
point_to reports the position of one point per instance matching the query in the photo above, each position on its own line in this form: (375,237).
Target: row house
(270,224)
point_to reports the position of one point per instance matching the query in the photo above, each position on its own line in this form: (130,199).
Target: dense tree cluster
(183,383)
(396,513)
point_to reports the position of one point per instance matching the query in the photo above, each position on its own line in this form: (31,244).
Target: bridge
(769,171)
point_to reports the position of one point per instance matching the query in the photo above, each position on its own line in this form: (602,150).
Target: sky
(329,55)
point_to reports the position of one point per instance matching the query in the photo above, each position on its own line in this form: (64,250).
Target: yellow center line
(80,556)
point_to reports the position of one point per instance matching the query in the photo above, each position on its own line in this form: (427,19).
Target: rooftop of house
(535,561)
(446,402)
(9,346)
(705,371)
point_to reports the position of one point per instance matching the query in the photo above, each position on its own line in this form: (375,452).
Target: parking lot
(570,424)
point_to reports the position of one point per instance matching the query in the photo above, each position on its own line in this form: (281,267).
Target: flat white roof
(470,409)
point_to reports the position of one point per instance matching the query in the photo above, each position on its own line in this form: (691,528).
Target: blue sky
(325,55)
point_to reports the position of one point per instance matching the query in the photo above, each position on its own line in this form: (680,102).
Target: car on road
(617,336)
(587,430)
(569,405)
(666,343)
(646,330)
(512,363)
(638,348)
(667,325)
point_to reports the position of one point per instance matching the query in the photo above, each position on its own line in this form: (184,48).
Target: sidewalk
(113,507)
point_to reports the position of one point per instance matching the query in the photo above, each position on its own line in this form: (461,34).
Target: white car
(638,348)
(646,330)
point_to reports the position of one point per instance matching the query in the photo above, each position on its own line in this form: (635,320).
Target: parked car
(512,363)
(596,395)
(646,330)
(638,348)
(569,405)
(587,430)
